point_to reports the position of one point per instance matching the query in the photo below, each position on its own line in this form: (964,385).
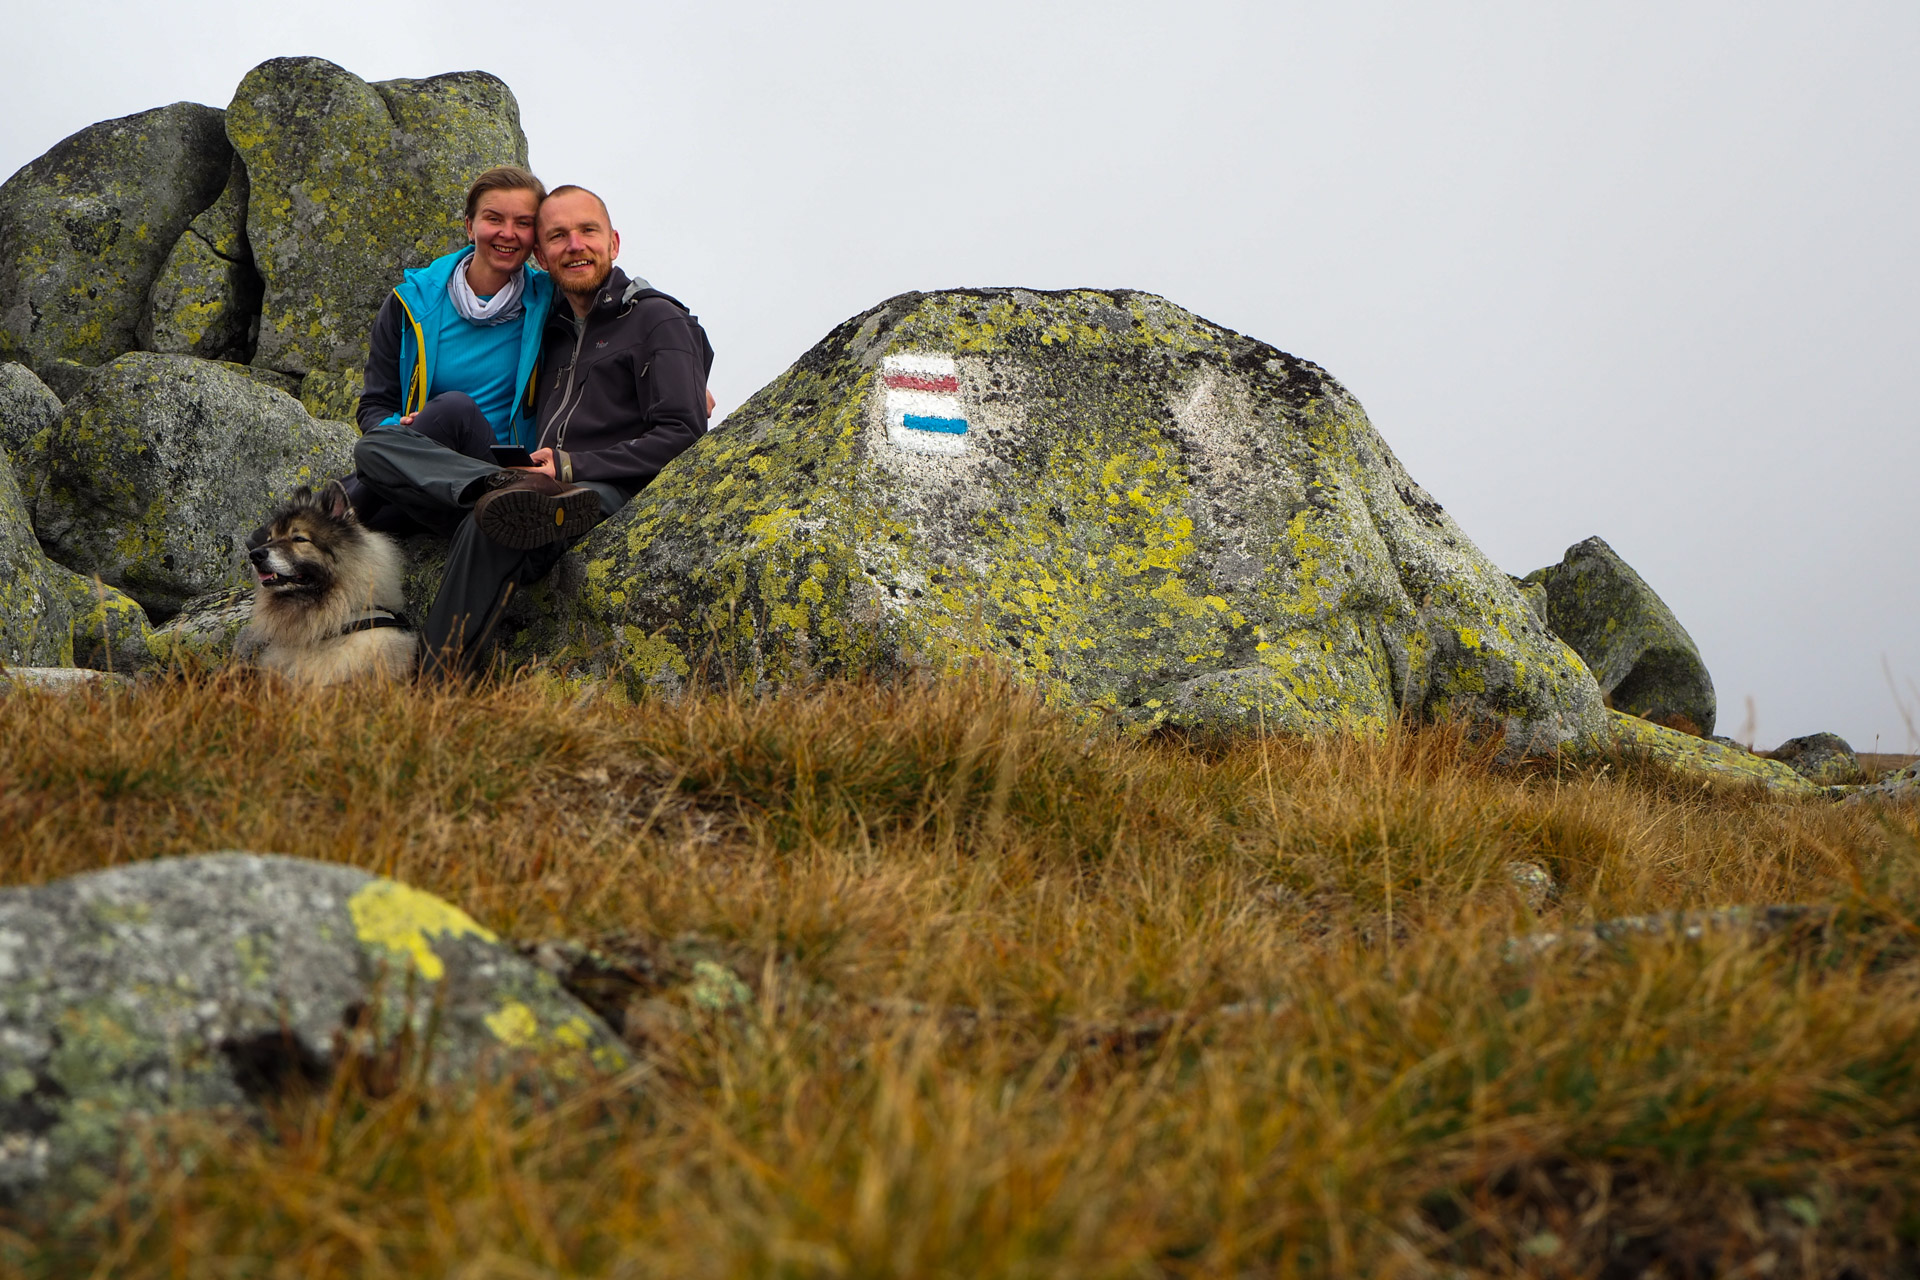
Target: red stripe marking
(914,382)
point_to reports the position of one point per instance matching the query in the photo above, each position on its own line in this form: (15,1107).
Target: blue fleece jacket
(440,351)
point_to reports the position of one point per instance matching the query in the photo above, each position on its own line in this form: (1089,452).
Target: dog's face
(298,552)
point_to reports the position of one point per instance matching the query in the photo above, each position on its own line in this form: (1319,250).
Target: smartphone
(511,455)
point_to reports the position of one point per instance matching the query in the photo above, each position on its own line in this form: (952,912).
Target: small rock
(59,679)
(1824,759)
(1534,882)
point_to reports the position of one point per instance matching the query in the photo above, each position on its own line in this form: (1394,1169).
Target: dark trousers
(434,483)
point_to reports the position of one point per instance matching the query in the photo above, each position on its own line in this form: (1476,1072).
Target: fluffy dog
(326,608)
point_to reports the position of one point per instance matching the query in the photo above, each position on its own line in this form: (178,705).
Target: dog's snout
(258,555)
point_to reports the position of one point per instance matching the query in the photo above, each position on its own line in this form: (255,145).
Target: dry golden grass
(1029,999)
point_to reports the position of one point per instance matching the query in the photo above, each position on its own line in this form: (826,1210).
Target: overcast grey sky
(1641,270)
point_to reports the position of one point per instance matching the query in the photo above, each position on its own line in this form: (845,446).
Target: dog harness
(373,619)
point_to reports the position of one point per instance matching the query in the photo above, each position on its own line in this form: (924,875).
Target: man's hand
(542,462)
(710,403)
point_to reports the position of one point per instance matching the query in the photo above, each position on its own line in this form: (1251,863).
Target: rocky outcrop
(28,409)
(1644,659)
(215,982)
(1823,759)
(85,229)
(1712,762)
(351,183)
(206,301)
(160,467)
(1136,509)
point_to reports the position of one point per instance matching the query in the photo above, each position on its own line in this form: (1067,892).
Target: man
(621,391)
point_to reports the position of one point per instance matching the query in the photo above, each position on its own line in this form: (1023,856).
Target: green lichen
(1712,762)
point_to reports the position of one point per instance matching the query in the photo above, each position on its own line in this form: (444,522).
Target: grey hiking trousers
(436,485)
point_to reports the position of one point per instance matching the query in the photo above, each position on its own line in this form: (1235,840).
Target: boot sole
(523,519)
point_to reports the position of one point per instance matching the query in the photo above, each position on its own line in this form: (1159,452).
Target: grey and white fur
(321,578)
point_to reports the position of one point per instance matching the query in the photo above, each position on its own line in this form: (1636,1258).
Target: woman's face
(501,227)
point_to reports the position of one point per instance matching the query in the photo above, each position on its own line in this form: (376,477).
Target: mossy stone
(218,981)
(160,467)
(28,410)
(1644,659)
(206,301)
(350,183)
(1149,516)
(86,228)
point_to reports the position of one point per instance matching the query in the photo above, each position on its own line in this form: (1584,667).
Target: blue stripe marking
(918,422)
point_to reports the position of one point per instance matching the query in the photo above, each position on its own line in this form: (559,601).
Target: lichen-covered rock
(35,615)
(208,982)
(85,228)
(110,630)
(28,409)
(160,467)
(1712,761)
(351,183)
(206,301)
(205,629)
(1900,787)
(50,616)
(1823,759)
(1136,509)
(1644,659)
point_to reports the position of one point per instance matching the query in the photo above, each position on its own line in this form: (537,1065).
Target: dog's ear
(335,501)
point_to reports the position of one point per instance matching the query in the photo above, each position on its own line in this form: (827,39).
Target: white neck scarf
(501,307)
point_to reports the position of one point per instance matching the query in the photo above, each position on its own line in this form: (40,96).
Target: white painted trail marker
(923,404)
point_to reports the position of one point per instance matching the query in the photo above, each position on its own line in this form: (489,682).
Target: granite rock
(213,983)
(350,183)
(86,228)
(1644,659)
(1140,512)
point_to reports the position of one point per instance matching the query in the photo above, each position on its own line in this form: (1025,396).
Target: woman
(454,347)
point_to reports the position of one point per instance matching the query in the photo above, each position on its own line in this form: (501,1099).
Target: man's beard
(574,289)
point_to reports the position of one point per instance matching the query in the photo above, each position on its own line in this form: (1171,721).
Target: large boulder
(159,468)
(28,408)
(350,183)
(85,229)
(213,982)
(206,300)
(1139,510)
(1644,659)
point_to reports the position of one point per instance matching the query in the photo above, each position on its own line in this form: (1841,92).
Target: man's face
(502,226)
(575,245)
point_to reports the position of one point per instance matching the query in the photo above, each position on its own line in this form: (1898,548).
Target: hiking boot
(529,509)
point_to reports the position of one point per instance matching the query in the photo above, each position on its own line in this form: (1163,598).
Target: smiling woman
(453,348)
